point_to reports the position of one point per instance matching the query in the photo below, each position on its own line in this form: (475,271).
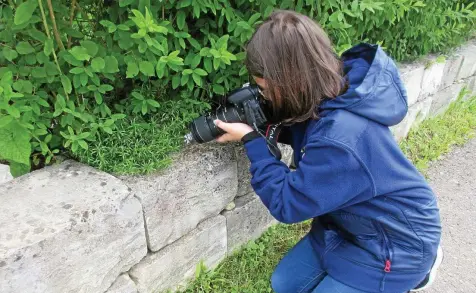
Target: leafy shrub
(73,70)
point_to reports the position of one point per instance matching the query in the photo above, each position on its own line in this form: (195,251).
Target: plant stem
(47,30)
(71,16)
(55,28)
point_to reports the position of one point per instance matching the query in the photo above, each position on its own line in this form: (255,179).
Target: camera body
(244,105)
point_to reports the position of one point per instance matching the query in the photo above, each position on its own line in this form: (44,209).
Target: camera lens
(204,129)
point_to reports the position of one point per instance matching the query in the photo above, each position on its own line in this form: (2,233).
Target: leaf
(175,81)
(98,98)
(77,70)
(25,11)
(83,144)
(111,64)
(98,64)
(38,72)
(132,69)
(218,89)
(4,120)
(90,47)
(181,19)
(73,33)
(66,84)
(80,53)
(254,18)
(48,49)
(184,79)
(187,71)
(24,48)
(111,27)
(196,60)
(200,72)
(9,54)
(147,68)
(105,88)
(19,169)
(84,79)
(197,79)
(123,3)
(194,43)
(15,143)
(153,103)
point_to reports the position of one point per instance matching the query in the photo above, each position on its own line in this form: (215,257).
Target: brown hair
(295,57)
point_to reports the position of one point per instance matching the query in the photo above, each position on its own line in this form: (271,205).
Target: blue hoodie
(376,222)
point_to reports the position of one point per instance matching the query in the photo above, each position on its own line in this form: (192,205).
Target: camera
(245,105)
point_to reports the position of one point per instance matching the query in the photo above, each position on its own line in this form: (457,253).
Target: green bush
(73,70)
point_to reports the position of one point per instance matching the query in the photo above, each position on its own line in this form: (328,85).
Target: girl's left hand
(234,131)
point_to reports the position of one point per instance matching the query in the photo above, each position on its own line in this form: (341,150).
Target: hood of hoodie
(375,89)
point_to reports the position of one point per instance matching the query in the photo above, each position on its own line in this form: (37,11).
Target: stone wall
(71,228)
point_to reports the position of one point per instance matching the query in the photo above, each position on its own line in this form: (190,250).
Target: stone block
(412,76)
(247,221)
(67,228)
(451,71)
(471,87)
(443,98)
(432,77)
(416,114)
(173,265)
(468,68)
(200,183)
(5,174)
(244,175)
(123,284)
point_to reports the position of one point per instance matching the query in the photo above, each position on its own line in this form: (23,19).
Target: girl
(376,224)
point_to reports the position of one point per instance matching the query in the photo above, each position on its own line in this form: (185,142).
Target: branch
(71,16)
(55,29)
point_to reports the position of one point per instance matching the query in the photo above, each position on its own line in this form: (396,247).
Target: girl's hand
(234,131)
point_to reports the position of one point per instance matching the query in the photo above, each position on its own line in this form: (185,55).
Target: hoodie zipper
(388,257)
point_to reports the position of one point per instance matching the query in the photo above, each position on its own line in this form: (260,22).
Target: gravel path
(454,181)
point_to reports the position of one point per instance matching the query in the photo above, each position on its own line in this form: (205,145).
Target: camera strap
(272,134)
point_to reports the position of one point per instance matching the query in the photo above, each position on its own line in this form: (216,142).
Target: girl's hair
(295,57)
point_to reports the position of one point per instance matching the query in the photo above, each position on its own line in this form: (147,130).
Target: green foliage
(70,78)
(141,145)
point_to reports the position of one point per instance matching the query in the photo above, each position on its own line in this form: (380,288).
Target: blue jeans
(300,272)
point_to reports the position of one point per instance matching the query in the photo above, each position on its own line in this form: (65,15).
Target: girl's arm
(329,177)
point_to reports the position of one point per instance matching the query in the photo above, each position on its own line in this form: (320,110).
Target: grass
(143,145)
(434,137)
(250,268)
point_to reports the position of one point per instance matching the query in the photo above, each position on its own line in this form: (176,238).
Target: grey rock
(67,228)
(247,221)
(471,87)
(451,71)
(432,77)
(443,98)
(412,76)
(200,183)
(123,284)
(468,68)
(172,266)
(5,174)
(416,114)
(244,175)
